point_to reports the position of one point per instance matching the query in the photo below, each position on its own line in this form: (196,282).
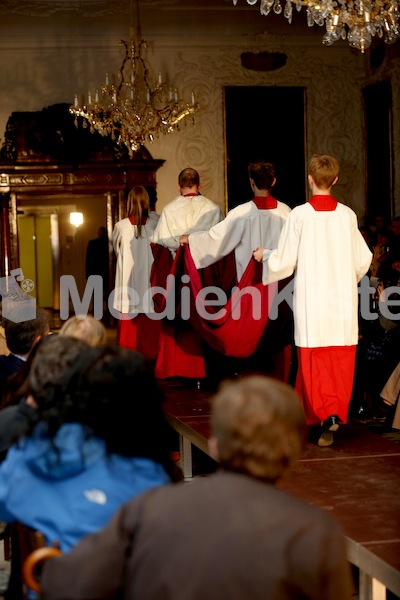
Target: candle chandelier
(132,107)
(357,20)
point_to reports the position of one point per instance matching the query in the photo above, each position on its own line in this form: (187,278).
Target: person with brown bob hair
(258,428)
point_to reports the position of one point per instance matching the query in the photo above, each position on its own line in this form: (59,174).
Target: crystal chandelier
(357,20)
(132,107)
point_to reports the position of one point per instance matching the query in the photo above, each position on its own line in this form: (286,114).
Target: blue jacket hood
(70,452)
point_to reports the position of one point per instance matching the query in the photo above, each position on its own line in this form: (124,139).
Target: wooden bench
(356,479)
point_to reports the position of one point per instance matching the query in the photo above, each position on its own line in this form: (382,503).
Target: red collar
(323,203)
(190,195)
(265,202)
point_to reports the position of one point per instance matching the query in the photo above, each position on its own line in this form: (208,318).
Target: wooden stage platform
(357,479)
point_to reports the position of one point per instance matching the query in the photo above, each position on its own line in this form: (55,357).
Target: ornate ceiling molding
(96,8)
(46,8)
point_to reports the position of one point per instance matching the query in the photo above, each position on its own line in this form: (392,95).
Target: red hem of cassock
(179,354)
(325,381)
(141,334)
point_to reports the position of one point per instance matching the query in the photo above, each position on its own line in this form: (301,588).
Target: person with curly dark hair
(101,439)
(21,409)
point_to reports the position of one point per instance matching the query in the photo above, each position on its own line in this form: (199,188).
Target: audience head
(380,222)
(55,353)
(138,206)
(22,336)
(262,173)
(113,392)
(258,427)
(189,178)
(324,170)
(52,359)
(85,328)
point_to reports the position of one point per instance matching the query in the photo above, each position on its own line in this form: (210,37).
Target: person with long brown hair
(131,296)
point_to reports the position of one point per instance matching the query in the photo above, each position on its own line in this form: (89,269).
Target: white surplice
(134,261)
(185,214)
(244,229)
(329,256)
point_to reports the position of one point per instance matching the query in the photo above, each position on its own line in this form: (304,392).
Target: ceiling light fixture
(131,107)
(358,21)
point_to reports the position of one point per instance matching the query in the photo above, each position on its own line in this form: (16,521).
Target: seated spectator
(22,411)
(233,534)
(391,269)
(380,248)
(102,438)
(378,353)
(85,328)
(21,338)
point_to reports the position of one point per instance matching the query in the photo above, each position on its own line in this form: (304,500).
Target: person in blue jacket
(101,439)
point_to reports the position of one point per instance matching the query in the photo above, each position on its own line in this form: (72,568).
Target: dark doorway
(267,123)
(379,160)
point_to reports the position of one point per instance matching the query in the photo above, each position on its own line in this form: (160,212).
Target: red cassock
(140,333)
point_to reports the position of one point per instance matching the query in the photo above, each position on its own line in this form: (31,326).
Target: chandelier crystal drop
(357,20)
(132,107)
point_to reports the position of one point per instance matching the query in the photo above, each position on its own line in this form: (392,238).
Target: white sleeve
(207,247)
(281,262)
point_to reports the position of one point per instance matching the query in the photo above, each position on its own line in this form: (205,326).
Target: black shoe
(360,413)
(330,425)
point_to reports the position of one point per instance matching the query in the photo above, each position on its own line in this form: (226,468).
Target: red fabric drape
(228,334)
(243,317)
(180,352)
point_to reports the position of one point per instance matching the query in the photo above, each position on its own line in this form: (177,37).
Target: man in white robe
(255,223)
(321,244)
(188,212)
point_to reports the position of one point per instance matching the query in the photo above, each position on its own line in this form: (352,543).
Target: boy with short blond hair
(324,170)
(321,244)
